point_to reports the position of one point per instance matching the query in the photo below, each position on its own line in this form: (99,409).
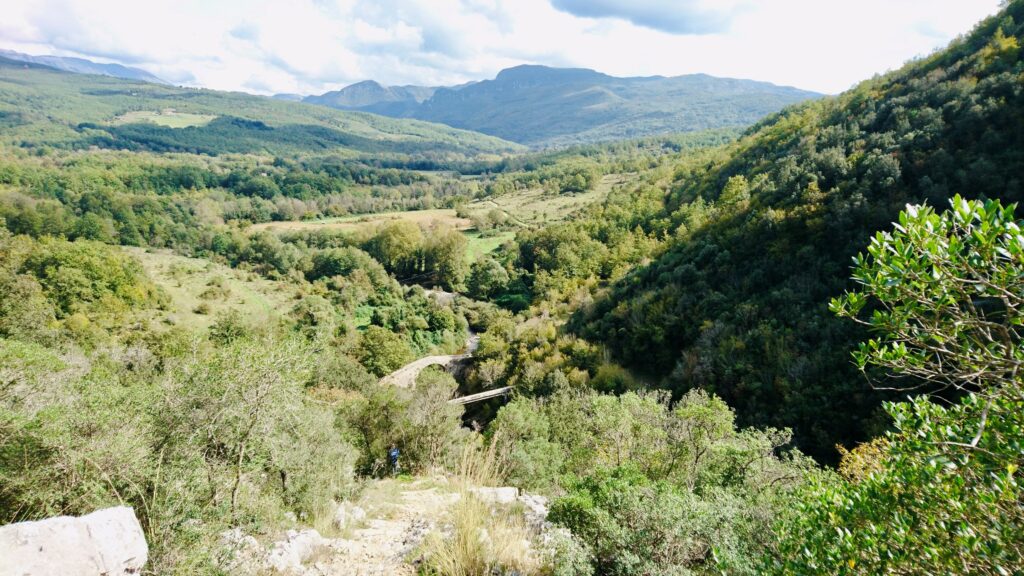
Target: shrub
(419,421)
(382,351)
(533,462)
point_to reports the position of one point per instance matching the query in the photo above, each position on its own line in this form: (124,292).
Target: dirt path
(382,546)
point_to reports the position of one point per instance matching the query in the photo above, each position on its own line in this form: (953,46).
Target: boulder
(240,553)
(299,546)
(348,515)
(504,495)
(535,509)
(107,542)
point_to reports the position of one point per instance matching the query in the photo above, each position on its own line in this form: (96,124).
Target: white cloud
(310,46)
(672,16)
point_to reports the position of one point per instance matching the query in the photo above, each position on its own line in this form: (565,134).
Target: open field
(527,208)
(480,245)
(200,290)
(350,223)
(535,207)
(167,117)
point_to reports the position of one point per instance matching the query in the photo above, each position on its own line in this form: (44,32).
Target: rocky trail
(382,546)
(379,534)
(379,540)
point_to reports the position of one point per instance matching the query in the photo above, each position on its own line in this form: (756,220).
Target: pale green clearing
(527,208)
(480,245)
(167,117)
(434,217)
(532,208)
(200,290)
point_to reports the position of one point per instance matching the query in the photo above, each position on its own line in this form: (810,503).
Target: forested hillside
(43,107)
(764,231)
(542,106)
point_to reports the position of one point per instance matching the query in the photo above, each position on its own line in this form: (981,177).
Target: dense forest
(793,349)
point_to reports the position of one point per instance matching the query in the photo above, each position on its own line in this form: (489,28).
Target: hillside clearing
(168,117)
(480,244)
(200,290)
(438,216)
(536,207)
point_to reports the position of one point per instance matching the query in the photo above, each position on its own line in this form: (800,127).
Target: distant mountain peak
(366,85)
(538,73)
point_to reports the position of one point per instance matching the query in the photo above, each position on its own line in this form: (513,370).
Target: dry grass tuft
(480,539)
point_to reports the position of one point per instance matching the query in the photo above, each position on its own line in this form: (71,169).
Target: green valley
(757,332)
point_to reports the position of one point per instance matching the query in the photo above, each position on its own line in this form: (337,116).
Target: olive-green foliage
(563,554)
(181,201)
(944,495)
(419,421)
(487,277)
(25,312)
(652,486)
(344,262)
(935,506)
(82,276)
(334,370)
(534,461)
(220,435)
(245,406)
(316,318)
(382,351)
(639,527)
(445,257)
(397,247)
(411,253)
(54,288)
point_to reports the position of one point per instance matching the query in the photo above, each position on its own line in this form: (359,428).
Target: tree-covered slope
(538,105)
(765,231)
(40,106)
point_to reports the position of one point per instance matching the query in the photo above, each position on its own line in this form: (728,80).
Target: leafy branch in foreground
(949,296)
(940,494)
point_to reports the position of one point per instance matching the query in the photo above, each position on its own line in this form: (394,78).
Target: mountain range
(534,105)
(544,106)
(83,66)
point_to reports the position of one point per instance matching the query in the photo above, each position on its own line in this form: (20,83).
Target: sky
(311,46)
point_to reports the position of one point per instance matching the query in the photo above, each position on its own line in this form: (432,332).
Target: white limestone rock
(347,514)
(107,542)
(503,495)
(287,556)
